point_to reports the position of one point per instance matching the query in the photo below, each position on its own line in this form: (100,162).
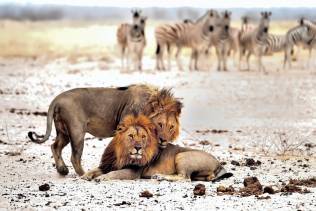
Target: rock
(252,187)
(146,194)
(263,197)
(199,190)
(269,190)
(44,187)
(235,163)
(225,190)
(252,162)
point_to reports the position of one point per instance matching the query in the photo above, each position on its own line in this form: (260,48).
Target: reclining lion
(134,146)
(172,163)
(98,111)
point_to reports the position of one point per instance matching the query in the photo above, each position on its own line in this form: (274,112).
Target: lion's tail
(42,138)
(221,173)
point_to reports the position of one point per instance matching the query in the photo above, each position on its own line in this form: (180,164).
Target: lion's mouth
(136,154)
(162,143)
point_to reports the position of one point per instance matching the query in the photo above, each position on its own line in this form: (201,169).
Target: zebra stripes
(193,35)
(132,41)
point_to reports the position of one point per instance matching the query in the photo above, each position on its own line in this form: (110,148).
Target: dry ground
(270,118)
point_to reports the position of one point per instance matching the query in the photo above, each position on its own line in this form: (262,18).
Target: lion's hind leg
(122,174)
(197,165)
(171,178)
(61,141)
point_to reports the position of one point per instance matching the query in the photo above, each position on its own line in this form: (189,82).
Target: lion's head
(164,110)
(135,142)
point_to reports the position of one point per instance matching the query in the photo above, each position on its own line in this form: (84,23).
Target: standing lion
(98,111)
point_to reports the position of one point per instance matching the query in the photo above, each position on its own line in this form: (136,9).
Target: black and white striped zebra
(310,41)
(193,35)
(126,36)
(298,36)
(222,41)
(256,41)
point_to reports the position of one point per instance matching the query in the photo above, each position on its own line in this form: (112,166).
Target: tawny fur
(98,111)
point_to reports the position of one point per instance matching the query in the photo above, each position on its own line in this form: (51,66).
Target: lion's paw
(87,177)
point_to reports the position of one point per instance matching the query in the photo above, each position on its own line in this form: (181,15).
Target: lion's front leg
(171,178)
(92,174)
(123,174)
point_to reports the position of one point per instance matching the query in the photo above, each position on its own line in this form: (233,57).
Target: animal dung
(199,190)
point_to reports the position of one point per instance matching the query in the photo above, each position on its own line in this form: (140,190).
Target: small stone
(146,194)
(199,190)
(44,187)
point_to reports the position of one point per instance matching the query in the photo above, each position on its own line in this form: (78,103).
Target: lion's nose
(138,147)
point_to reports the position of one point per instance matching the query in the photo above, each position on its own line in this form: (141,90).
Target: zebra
(222,41)
(125,30)
(310,38)
(255,41)
(244,40)
(193,35)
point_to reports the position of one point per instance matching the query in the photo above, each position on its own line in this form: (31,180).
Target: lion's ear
(179,107)
(121,127)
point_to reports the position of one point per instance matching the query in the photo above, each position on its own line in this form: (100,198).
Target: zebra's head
(226,17)
(265,21)
(212,22)
(136,13)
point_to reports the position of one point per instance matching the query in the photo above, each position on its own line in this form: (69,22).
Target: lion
(98,111)
(134,146)
(172,163)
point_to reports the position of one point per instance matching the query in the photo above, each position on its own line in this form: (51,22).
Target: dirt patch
(27,112)
(252,186)
(215,131)
(304,182)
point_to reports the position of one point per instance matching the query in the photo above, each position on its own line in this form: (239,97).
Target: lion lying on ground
(98,111)
(172,163)
(134,146)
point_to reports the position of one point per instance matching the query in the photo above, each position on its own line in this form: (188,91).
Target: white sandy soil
(254,108)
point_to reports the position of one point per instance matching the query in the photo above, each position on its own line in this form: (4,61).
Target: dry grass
(75,39)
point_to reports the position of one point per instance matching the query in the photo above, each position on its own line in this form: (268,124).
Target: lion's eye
(143,136)
(160,124)
(130,135)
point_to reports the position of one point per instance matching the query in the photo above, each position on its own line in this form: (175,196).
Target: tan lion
(172,163)
(98,111)
(134,146)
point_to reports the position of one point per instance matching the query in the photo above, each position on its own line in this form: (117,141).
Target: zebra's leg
(285,60)
(169,55)
(196,61)
(218,54)
(247,59)
(309,57)
(191,60)
(225,55)
(158,55)
(122,57)
(241,51)
(178,58)
(128,58)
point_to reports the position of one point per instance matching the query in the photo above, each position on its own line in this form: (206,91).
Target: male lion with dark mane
(134,146)
(98,111)
(172,163)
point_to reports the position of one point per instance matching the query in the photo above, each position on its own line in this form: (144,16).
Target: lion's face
(167,127)
(135,142)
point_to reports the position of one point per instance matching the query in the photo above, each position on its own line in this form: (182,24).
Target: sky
(176,3)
